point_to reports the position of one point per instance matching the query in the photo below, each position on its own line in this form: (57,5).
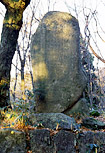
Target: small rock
(93,124)
(81,107)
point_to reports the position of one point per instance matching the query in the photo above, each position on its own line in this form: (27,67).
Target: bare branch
(100,37)
(96,54)
(16,67)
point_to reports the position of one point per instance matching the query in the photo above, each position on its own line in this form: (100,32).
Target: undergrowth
(17,116)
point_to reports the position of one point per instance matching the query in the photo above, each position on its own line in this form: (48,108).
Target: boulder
(57,73)
(53,120)
(12,141)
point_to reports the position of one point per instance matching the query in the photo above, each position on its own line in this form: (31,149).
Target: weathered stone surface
(64,142)
(81,107)
(67,142)
(42,142)
(58,76)
(90,142)
(51,120)
(93,123)
(12,141)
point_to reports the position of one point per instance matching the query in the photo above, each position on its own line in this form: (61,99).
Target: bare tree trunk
(22,79)
(11,27)
(7,49)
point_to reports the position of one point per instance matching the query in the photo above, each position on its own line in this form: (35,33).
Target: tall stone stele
(58,77)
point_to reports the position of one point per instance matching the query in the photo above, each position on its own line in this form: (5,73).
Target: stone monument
(58,77)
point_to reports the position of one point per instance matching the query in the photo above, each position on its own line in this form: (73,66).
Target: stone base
(47,141)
